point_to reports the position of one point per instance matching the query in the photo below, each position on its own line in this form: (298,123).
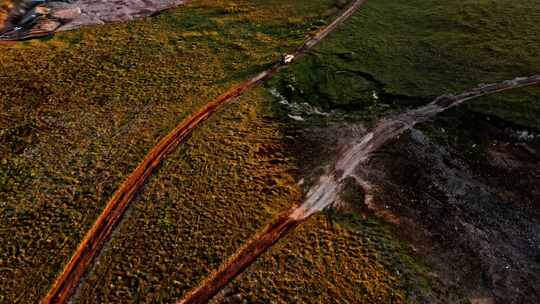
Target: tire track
(94,240)
(326,191)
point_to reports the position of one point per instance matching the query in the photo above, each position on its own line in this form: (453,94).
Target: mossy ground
(78,112)
(415,50)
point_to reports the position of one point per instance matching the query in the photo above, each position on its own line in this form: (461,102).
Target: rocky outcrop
(103,11)
(43,17)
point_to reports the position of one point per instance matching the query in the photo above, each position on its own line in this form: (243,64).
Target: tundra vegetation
(79,110)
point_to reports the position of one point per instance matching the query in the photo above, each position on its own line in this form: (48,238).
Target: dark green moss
(422,49)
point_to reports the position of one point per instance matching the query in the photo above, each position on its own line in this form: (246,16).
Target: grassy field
(408,52)
(79,111)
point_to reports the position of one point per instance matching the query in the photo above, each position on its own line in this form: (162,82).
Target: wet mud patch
(500,153)
(480,239)
(464,193)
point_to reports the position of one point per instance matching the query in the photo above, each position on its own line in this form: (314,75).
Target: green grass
(422,49)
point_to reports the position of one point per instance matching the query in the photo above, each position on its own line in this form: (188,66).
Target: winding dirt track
(244,257)
(94,240)
(326,191)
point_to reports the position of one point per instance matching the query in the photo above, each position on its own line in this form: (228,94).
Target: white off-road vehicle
(286,58)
